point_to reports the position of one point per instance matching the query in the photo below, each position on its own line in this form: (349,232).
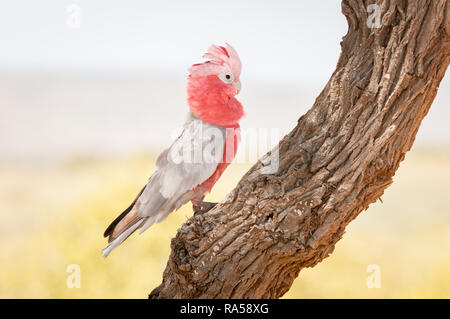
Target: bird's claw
(203,207)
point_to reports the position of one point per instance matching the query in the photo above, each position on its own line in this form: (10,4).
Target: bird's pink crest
(219,59)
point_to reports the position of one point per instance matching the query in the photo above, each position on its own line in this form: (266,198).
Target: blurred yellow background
(54,216)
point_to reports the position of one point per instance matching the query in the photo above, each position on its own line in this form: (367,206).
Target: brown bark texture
(340,158)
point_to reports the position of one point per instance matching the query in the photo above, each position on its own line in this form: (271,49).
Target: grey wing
(187,163)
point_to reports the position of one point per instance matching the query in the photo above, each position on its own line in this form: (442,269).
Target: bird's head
(212,86)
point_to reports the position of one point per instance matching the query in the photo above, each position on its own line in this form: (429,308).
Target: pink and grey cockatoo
(190,167)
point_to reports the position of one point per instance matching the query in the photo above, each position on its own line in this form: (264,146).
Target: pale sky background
(116,83)
(277,40)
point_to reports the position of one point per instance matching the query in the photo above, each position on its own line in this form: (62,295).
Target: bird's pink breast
(213,101)
(233,137)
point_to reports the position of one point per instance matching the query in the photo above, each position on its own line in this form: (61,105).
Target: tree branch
(340,158)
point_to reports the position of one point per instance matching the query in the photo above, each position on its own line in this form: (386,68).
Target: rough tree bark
(340,158)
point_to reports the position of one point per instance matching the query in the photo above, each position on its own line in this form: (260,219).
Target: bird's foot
(203,207)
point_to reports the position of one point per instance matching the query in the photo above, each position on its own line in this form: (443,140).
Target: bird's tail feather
(124,235)
(111,227)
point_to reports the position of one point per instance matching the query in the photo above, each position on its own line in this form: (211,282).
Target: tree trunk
(340,158)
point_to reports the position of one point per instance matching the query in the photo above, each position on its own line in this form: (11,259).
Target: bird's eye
(226,77)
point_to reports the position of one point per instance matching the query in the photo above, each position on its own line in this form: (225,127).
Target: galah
(190,167)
